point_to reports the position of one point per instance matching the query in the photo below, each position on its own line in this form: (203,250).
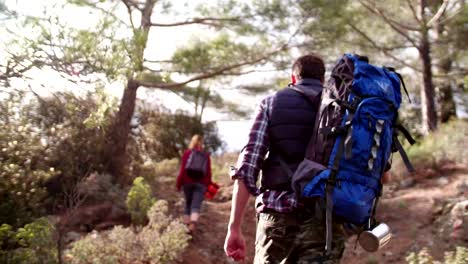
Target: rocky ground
(420,212)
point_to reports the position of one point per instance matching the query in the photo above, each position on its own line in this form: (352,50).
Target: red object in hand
(211,190)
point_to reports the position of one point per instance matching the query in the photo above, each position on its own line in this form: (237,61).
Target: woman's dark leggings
(194,194)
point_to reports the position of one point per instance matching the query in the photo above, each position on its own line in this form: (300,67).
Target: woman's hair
(196,141)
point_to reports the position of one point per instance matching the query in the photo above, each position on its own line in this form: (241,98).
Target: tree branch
(452,15)
(439,13)
(131,3)
(387,19)
(211,74)
(393,24)
(129,11)
(413,11)
(211,21)
(375,45)
(158,61)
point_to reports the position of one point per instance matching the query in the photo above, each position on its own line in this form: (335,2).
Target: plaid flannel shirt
(251,160)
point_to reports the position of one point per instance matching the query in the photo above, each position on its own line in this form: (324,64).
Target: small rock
(94,234)
(406,183)
(442,181)
(388,254)
(463,187)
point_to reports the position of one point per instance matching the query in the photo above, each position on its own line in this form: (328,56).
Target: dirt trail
(409,213)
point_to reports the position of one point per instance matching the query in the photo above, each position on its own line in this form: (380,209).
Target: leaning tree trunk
(119,135)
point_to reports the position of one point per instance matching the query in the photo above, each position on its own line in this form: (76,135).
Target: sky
(233,132)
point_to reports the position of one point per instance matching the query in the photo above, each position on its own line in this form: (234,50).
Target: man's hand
(234,246)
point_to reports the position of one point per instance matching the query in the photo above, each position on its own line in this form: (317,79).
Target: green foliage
(449,143)
(53,142)
(75,134)
(161,241)
(98,188)
(6,239)
(422,257)
(327,21)
(460,256)
(165,135)
(167,167)
(33,243)
(23,167)
(205,56)
(105,107)
(160,175)
(139,201)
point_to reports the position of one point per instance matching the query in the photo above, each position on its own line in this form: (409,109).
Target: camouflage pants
(289,238)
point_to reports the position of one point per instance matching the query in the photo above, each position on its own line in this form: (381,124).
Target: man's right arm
(249,165)
(240,196)
(235,244)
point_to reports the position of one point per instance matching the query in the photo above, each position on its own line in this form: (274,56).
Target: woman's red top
(183,178)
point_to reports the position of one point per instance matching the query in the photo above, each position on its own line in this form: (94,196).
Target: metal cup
(375,239)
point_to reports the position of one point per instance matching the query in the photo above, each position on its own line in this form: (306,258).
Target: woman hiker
(194,178)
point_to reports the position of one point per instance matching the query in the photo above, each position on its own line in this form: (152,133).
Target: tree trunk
(119,135)
(429,114)
(445,99)
(445,95)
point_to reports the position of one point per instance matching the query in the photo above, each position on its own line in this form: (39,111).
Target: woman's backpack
(196,164)
(354,136)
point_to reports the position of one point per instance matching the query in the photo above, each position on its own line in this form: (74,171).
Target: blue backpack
(354,137)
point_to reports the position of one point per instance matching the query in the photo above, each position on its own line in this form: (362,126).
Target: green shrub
(460,256)
(167,167)
(75,133)
(23,167)
(422,257)
(158,172)
(139,201)
(98,187)
(33,243)
(161,241)
(52,142)
(220,167)
(449,143)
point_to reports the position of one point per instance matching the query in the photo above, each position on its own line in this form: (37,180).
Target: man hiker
(287,230)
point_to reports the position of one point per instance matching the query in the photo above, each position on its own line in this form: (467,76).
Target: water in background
(234,133)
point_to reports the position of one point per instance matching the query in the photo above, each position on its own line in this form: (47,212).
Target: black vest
(290,127)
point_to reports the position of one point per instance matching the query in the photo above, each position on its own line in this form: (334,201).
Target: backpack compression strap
(331,182)
(398,147)
(401,80)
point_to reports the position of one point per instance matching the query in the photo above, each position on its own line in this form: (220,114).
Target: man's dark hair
(309,66)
